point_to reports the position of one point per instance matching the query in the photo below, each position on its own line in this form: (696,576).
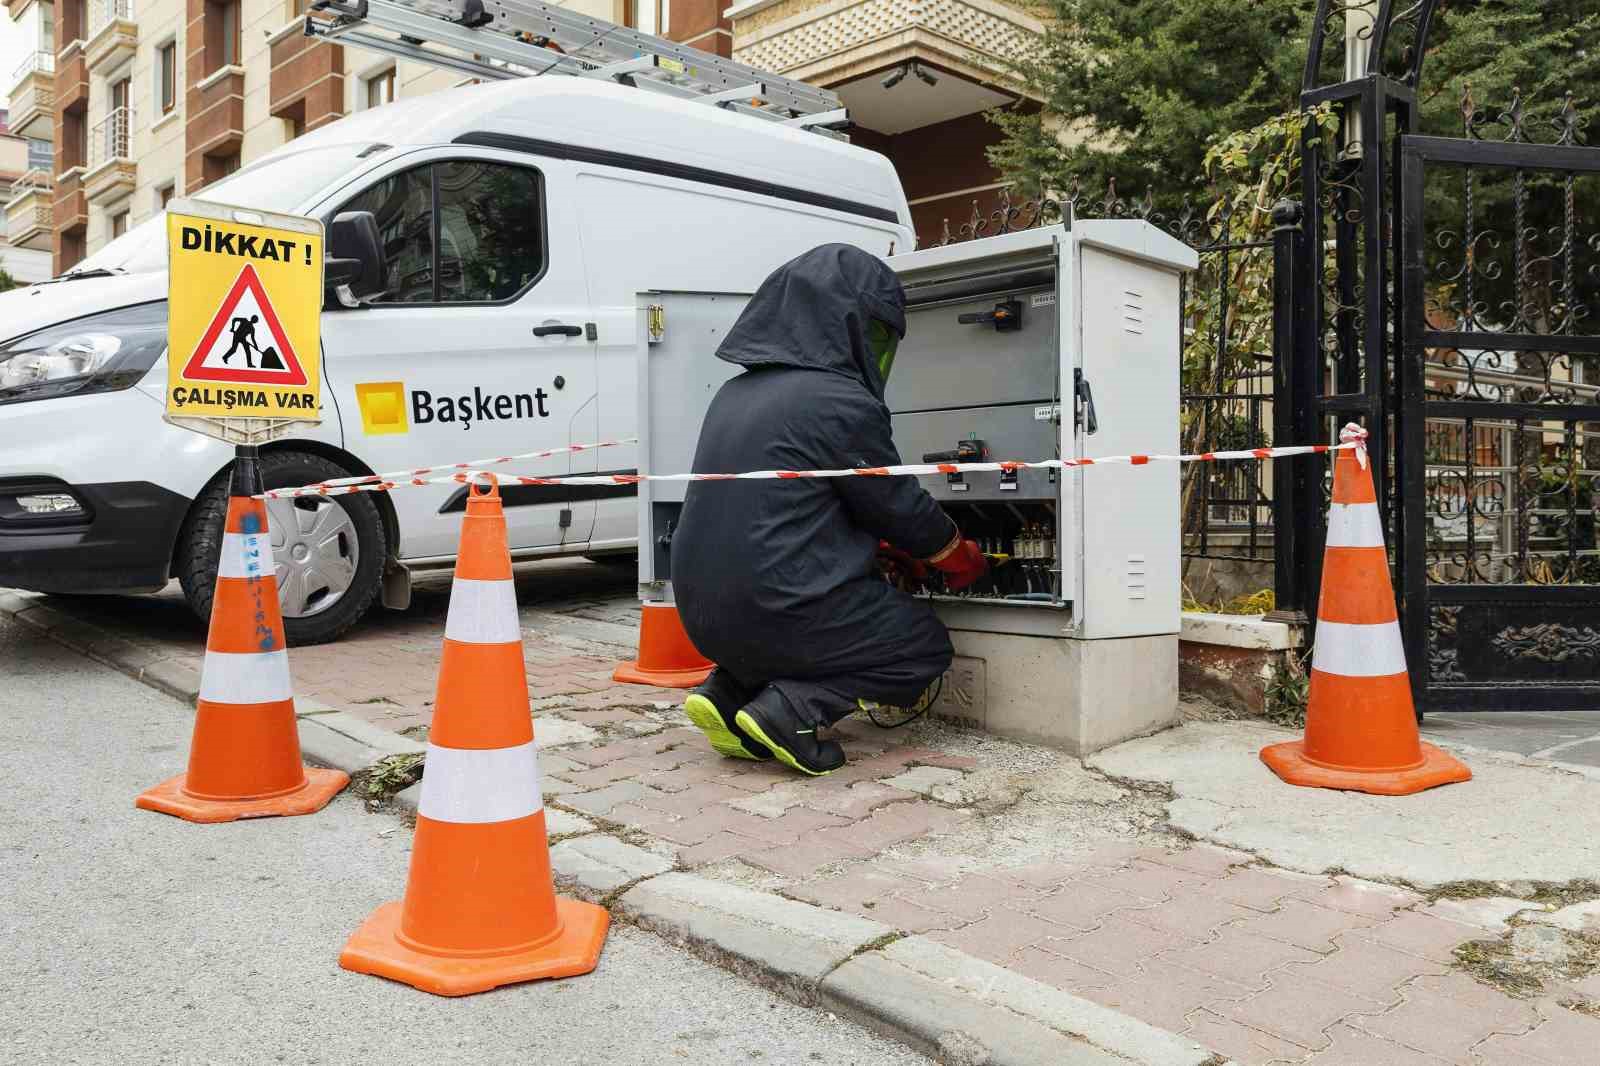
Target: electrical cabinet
(1051,343)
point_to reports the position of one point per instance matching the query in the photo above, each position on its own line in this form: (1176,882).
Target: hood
(812,313)
(31,307)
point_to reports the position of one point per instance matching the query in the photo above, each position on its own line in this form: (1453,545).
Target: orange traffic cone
(1361,729)
(244,759)
(667,657)
(480,908)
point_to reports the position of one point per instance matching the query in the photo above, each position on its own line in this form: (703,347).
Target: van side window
(403,207)
(458,232)
(491,231)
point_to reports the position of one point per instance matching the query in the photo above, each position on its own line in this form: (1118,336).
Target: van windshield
(280,182)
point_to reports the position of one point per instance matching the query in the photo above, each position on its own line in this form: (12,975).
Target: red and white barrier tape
(398,478)
(1352,437)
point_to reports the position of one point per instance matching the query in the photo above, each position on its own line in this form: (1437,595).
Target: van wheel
(328,552)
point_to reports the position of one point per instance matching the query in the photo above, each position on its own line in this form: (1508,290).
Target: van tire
(200,541)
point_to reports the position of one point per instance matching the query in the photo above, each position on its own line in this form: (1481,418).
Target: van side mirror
(355,258)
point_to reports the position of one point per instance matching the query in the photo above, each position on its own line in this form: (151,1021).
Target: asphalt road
(130,937)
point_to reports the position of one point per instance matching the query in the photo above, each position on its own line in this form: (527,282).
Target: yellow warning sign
(244,316)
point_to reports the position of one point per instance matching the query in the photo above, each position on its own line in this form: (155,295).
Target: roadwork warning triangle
(245,342)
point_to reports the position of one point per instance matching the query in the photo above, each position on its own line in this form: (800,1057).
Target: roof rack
(501,39)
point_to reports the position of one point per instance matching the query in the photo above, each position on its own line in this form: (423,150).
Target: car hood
(31,307)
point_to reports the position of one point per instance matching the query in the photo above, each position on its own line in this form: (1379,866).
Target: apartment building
(125,104)
(917,76)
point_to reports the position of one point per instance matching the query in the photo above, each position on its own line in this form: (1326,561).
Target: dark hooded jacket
(792,560)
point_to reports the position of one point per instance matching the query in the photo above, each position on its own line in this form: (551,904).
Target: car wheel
(328,552)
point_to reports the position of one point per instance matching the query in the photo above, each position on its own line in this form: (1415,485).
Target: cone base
(1289,762)
(375,949)
(631,673)
(170,798)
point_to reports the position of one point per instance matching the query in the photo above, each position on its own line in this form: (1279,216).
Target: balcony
(307,85)
(28,217)
(33,96)
(111,173)
(214,126)
(113,34)
(72,79)
(69,210)
(833,43)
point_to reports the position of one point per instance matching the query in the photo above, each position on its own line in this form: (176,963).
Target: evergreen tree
(1142,88)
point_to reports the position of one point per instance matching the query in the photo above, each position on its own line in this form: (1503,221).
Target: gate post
(1291,480)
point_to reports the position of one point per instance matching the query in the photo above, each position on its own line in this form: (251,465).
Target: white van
(515,223)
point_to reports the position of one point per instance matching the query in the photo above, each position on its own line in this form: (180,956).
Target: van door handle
(559,329)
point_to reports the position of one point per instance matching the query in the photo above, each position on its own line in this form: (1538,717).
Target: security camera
(927,78)
(895,77)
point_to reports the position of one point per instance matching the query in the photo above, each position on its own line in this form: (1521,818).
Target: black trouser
(867,641)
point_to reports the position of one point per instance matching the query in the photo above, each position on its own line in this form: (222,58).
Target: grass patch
(1288,691)
(389,775)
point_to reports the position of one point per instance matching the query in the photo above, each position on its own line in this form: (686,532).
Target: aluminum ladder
(499,39)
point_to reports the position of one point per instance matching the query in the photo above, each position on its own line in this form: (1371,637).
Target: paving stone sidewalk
(1008,853)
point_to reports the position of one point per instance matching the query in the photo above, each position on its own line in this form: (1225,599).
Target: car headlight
(101,353)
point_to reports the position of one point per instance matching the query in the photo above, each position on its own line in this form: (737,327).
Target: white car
(515,223)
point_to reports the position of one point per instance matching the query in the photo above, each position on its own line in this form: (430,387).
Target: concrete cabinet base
(1076,695)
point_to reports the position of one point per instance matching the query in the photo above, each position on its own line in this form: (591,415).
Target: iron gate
(1497,423)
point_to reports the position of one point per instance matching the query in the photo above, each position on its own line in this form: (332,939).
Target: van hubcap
(314,552)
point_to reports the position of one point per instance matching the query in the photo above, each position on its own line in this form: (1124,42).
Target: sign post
(244,314)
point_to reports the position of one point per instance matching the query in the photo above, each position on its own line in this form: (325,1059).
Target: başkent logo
(384,407)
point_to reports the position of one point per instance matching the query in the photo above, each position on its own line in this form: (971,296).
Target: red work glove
(903,571)
(961,562)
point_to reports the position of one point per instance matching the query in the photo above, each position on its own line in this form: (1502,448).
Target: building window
(164,196)
(120,93)
(41,154)
(221,34)
(119,224)
(230,34)
(167,76)
(380,88)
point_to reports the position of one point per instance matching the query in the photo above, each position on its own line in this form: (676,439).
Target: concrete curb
(939,1000)
(328,737)
(949,1004)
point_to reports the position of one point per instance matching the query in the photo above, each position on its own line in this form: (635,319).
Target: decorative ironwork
(1443,664)
(1550,642)
(1390,37)
(1500,402)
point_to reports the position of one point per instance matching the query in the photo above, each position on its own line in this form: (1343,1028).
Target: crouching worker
(775,579)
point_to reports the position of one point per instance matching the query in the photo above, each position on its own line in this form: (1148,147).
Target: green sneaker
(702,708)
(769,720)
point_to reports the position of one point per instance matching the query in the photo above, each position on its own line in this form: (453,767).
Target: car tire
(200,542)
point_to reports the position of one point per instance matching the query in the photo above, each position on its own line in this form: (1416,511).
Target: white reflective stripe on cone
(1354,525)
(1359,650)
(245,555)
(480,784)
(482,612)
(257,677)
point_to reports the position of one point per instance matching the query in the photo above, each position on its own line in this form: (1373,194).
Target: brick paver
(1258,965)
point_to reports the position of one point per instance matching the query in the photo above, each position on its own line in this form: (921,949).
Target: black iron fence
(1227,358)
